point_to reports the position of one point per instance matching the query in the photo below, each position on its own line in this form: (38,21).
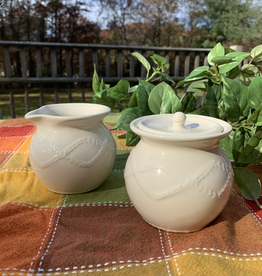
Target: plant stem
(121,106)
(258,204)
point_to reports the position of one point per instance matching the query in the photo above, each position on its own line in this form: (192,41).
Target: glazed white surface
(179,185)
(70,152)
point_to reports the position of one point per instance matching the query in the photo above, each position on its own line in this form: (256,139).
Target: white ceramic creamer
(71,151)
(177,177)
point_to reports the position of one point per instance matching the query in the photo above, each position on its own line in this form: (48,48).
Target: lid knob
(179,119)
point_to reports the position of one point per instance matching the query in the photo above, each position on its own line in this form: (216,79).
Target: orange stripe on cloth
(15,122)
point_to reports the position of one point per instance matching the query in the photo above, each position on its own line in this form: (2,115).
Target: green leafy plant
(234,94)
(229,91)
(151,96)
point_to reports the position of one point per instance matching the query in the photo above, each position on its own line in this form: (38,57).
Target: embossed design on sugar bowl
(72,151)
(177,177)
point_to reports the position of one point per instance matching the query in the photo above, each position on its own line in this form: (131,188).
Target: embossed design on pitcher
(65,153)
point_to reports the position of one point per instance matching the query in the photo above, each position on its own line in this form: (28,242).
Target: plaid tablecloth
(100,232)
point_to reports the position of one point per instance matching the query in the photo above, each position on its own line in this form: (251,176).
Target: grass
(49,98)
(34,99)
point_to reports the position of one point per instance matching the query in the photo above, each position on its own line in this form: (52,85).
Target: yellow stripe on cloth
(216,264)
(23,186)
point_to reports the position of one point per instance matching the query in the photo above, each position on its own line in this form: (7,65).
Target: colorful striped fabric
(100,232)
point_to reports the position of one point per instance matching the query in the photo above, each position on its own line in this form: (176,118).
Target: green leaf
(127,117)
(132,139)
(238,143)
(165,67)
(250,146)
(189,102)
(147,86)
(219,60)
(133,89)
(218,50)
(165,76)
(256,116)
(160,61)
(207,110)
(222,111)
(198,71)
(133,100)
(237,57)
(228,50)
(235,99)
(119,91)
(104,86)
(233,73)
(248,182)
(197,87)
(103,99)
(144,91)
(248,73)
(255,92)
(213,95)
(143,61)
(95,82)
(227,144)
(100,93)
(256,53)
(202,76)
(163,99)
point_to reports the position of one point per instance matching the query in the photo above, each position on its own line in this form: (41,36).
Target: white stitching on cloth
(8,152)
(39,269)
(163,251)
(56,271)
(18,170)
(46,234)
(217,252)
(17,125)
(172,252)
(94,204)
(139,263)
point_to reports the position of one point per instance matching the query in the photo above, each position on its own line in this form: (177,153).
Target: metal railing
(67,63)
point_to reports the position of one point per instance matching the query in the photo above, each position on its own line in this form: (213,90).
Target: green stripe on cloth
(113,190)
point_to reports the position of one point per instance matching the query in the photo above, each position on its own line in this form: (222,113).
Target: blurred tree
(117,14)
(159,15)
(229,21)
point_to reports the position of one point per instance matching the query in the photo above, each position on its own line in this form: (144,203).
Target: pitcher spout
(71,114)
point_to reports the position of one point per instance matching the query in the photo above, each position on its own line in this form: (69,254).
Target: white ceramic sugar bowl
(71,151)
(177,177)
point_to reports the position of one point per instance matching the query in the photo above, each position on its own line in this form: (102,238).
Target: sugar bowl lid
(180,126)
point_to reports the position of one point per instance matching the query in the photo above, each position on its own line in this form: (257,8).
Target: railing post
(205,60)
(187,65)
(8,71)
(143,69)
(196,61)
(39,73)
(82,63)
(82,71)
(120,64)
(177,64)
(132,66)
(12,103)
(54,70)
(108,64)
(24,75)
(167,61)
(69,72)
(95,59)
(23,62)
